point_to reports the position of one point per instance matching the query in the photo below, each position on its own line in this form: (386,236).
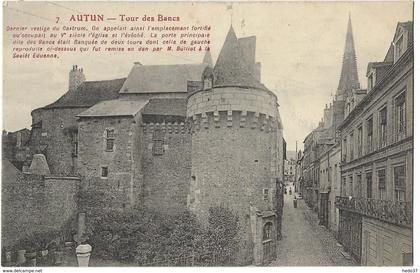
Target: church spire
(349,79)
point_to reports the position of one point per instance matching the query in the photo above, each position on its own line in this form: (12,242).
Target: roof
(114,108)
(161,78)
(408,26)
(231,68)
(8,172)
(166,107)
(376,65)
(208,60)
(89,93)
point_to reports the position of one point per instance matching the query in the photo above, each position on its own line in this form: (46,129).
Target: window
(401,116)
(369,127)
(344,149)
(351,139)
(371,82)
(399,48)
(158,138)
(359,140)
(351,185)
(359,185)
(104,172)
(382,127)
(343,186)
(369,185)
(399,183)
(75,144)
(265,194)
(382,184)
(268,231)
(207,83)
(110,137)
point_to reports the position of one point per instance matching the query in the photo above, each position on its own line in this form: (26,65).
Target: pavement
(304,242)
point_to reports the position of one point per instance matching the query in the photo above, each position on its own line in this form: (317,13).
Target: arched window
(267,231)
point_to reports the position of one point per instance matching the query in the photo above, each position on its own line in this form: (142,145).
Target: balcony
(400,213)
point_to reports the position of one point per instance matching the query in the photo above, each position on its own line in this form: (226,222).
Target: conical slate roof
(208,59)
(349,79)
(230,68)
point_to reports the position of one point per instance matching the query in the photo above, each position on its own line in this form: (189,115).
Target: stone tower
(349,79)
(76,78)
(236,145)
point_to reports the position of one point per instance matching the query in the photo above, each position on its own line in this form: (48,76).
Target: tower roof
(349,79)
(208,59)
(230,68)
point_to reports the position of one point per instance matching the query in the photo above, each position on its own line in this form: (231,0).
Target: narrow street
(305,243)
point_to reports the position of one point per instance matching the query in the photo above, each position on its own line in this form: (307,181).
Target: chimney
(76,78)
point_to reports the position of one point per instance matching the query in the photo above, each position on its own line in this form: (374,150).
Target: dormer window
(371,81)
(399,48)
(207,84)
(207,78)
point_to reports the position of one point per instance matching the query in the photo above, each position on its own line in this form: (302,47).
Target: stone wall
(124,174)
(54,137)
(33,203)
(386,244)
(166,176)
(236,154)
(233,99)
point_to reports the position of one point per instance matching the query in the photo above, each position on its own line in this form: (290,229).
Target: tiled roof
(114,108)
(89,93)
(230,68)
(166,107)
(161,78)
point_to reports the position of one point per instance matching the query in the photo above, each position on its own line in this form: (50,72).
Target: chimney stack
(76,78)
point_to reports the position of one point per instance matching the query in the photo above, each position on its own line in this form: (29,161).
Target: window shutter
(400,99)
(383,116)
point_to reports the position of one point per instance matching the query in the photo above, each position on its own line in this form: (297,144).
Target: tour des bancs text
(43,41)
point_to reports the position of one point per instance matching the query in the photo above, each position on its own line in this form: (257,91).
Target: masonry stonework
(52,135)
(94,156)
(34,203)
(166,176)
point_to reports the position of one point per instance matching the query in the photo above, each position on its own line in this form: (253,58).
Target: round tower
(236,143)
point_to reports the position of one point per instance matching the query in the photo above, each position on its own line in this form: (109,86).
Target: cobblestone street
(305,243)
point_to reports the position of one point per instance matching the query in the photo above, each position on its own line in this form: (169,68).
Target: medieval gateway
(168,138)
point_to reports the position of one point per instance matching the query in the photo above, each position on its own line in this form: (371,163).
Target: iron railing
(396,212)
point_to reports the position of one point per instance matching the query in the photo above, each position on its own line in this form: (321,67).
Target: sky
(300,46)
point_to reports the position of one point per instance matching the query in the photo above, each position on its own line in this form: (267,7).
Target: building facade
(377,161)
(358,171)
